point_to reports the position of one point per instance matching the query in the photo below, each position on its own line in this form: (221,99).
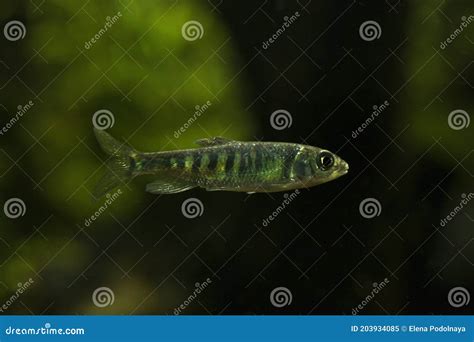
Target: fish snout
(344,167)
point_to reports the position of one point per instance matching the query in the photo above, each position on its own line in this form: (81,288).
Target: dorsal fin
(213,141)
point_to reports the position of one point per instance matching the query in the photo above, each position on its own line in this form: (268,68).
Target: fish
(220,164)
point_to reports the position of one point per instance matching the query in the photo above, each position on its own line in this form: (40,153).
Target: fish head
(314,166)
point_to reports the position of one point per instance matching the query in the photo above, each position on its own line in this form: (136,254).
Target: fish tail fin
(120,165)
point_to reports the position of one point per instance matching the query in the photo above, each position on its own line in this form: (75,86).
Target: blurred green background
(150,78)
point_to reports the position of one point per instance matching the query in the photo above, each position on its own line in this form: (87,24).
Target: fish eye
(325,160)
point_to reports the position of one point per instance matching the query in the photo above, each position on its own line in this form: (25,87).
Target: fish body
(222,164)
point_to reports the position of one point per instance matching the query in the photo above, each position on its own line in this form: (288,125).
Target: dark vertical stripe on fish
(259,159)
(180,162)
(196,163)
(252,158)
(213,156)
(229,164)
(243,163)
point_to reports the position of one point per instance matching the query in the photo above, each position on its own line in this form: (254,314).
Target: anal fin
(167,187)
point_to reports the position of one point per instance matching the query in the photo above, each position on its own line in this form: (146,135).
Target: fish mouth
(344,167)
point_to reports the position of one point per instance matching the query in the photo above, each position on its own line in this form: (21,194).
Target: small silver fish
(221,164)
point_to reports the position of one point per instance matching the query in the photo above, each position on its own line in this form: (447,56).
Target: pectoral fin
(167,187)
(213,141)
